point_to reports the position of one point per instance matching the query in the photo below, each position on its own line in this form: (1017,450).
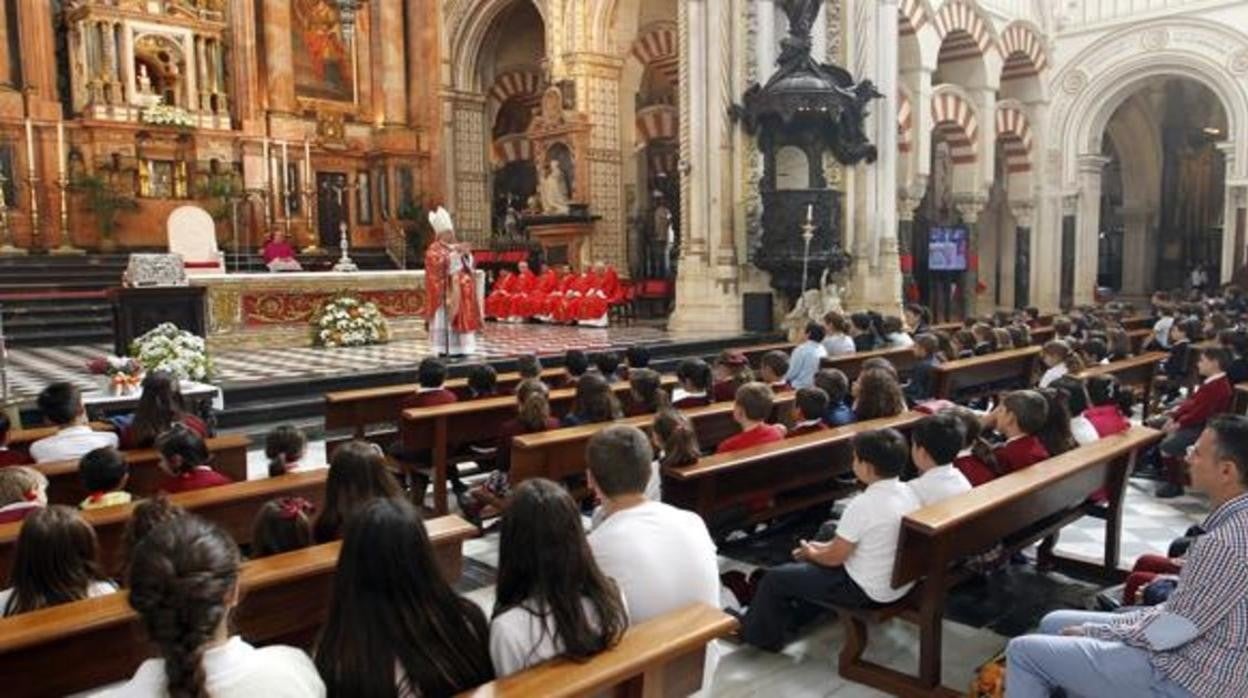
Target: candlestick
(308,198)
(60,149)
(286,192)
(66,247)
(810,212)
(30,144)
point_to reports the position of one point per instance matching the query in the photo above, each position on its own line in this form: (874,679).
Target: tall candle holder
(6,234)
(808,234)
(309,200)
(66,247)
(33,183)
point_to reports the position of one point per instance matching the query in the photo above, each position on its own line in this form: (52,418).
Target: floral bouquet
(161,114)
(167,348)
(122,375)
(346,321)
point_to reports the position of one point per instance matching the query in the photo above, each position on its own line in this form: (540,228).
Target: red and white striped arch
(954,119)
(518,82)
(1023,51)
(657,48)
(512,148)
(1014,135)
(905,122)
(657,122)
(963,32)
(913,16)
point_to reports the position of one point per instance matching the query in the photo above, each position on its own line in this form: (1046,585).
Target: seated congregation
(936,454)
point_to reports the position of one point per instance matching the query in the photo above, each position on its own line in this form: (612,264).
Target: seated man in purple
(278,254)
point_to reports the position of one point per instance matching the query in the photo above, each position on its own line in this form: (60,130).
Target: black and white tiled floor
(980,618)
(31,368)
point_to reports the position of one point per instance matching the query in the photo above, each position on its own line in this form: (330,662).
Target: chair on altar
(193,237)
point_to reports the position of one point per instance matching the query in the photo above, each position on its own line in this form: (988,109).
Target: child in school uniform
(285,447)
(1110,406)
(927,351)
(282,525)
(1184,423)
(23,490)
(56,561)
(833,382)
(694,378)
(811,405)
(432,376)
(772,369)
(935,442)
(185,458)
(1059,358)
(1019,417)
(855,568)
(751,411)
(104,475)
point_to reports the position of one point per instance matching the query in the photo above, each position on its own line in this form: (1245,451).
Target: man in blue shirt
(804,361)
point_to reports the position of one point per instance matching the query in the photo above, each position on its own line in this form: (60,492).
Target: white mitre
(440,221)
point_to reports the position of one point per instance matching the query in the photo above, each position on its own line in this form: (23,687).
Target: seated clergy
(278,254)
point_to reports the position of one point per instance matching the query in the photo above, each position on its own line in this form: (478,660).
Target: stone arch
(914,16)
(954,117)
(467,30)
(516,82)
(1014,131)
(1023,51)
(961,16)
(657,43)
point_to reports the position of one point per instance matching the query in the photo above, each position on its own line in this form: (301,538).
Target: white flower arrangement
(346,321)
(167,348)
(161,114)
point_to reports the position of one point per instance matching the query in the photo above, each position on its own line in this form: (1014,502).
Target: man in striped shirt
(1193,643)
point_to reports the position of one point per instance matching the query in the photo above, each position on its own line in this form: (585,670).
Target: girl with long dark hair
(186,459)
(646,393)
(357,475)
(183,584)
(56,561)
(595,402)
(160,407)
(552,599)
(395,627)
(877,394)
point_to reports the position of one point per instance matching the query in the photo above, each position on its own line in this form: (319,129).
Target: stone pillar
(970,207)
(279,58)
(597,79)
(424,103)
(1139,253)
(7,78)
(471,205)
(907,204)
(1088,230)
(34,25)
(1232,248)
(246,81)
(390,44)
(1023,213)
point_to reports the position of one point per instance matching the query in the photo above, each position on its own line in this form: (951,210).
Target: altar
(255,311)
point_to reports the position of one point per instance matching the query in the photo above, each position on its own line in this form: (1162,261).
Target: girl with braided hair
(183,584)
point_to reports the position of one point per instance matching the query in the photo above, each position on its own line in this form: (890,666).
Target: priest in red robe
(498,304)
(450,290)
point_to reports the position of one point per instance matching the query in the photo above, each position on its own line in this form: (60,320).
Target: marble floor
(980,620)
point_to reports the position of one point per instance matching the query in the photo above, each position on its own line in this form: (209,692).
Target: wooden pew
(233,507)
(1239,404)
(359,409)
(1137,338)
(1016,510)
(1135,372)
(560,453)
(980,375)
(754,354)
(21,439)
(1040,335)
(851,364)
(229,456)
(791,475)
(78,646)
(440,429)
(660,658)
(949,327)
(1139,322)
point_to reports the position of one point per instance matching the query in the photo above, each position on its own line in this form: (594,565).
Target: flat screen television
(946,248)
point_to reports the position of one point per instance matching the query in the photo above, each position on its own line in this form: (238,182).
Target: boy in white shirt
(61,404)
(855,568)
(935,442)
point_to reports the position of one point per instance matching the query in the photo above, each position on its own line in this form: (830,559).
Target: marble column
(279,57)
(1088,228)
(35,25)
(1068,250)
(1023,213)
(1232,247)
(1139,253)
(394,78)
(970,207)
(907,204)
(245,82)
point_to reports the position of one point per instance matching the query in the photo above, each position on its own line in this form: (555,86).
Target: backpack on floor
(989,680)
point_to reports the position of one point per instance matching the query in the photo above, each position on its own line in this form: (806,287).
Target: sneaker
(735,581)
(1169,490)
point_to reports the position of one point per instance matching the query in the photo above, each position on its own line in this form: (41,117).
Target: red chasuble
(465,314)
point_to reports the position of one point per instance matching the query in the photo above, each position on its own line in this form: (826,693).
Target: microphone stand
(446,306)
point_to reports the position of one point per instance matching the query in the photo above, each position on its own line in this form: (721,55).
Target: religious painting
(322,54)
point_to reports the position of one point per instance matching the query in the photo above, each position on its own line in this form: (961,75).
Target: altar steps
(52,301)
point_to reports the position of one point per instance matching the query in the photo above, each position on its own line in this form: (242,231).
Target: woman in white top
(54,563)
(395,627)
(183,584)
(552,599)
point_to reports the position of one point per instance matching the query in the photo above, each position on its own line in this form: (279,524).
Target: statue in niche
(554,191)
(145,80)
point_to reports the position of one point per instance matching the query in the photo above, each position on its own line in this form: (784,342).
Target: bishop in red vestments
(450,290)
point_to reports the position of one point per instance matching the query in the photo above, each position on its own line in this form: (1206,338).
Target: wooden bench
(660,658)
(1135,372)
(233,507)
(81,645)
(1138,322)
(1138,338)
(901,358)
(229,457)
(442,428)
(560,453)
(363,408)
(790,475)
(1015,511)
(1040,335)
(985,375)
(21,439)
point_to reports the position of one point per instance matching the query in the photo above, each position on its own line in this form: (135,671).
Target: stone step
(60,338)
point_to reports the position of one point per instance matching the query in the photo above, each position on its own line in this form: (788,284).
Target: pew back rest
(1014,365)
(233,507)
(662,656)
(902,358)
(229,457)
(81,645)
(970,523)
(1133,370)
